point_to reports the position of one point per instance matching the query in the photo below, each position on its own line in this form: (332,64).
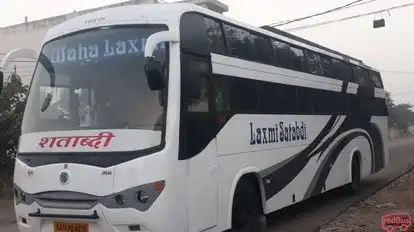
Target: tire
(247,215)
(353,187)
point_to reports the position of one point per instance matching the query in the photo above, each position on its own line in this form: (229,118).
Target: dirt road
(366,215)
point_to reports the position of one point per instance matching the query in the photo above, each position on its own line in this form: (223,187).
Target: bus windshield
(96,81)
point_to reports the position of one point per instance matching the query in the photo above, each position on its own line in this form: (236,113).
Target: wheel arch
(250,174)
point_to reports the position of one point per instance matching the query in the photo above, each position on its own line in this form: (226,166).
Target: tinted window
(306,100)
(290,99)
(245,45)
(314,63)
(361,76)
(326,66)
(376,79)
(284,57)
(193,37)
(222,93)
(262,49)
(239,42)
(341,70)
(201,104)
(215,36)
(271,97)
(299,63)
(244,95)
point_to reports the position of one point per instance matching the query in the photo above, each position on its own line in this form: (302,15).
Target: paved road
(311,214)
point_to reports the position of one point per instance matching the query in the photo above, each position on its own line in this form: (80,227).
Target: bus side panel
(230,167)
(381,122)
(239,147)
(340,173)
(201,190)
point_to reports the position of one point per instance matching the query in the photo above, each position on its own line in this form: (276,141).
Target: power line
(401,93)
(314,15)
(399,72)
(348,18)
(361,3)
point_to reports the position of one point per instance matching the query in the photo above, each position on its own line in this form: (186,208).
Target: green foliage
(12,103)
(400,116)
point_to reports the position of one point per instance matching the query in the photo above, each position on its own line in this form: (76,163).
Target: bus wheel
(353,187)
(247,215)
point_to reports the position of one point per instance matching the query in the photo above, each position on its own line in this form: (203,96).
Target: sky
(388,49)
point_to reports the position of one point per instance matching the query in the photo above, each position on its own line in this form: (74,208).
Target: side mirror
(154,73)
(1,80)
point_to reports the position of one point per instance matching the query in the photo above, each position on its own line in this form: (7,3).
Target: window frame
(274,58)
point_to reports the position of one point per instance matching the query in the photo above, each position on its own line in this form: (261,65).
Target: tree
(12,103)
(400,116)
(403,116)
(392,121)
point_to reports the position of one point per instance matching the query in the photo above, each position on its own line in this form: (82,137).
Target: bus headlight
(140,197)
(119,199)
(23,196)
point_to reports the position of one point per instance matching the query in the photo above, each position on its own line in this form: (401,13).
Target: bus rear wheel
(247,215)
(353,187)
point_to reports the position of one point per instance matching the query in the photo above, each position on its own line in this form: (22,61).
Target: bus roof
(170,14)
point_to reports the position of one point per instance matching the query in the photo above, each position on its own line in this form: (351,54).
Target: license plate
(70,227)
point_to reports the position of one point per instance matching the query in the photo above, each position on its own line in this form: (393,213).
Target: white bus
(170,117)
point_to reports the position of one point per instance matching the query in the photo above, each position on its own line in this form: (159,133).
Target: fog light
(142,197)
(119,199)
(134,228)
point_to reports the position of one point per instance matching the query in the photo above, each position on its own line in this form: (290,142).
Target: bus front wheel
(247,214)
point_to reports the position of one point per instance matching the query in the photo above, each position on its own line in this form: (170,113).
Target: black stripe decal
(275,178)
(317,184)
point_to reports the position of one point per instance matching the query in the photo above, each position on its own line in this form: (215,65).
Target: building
(30,34)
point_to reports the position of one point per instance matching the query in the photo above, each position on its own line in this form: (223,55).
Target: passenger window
(201,105)
(341,70)
(222,93)
(298,59)
(196,71)
(284,58)
(376,79)
(271,97)
(305,100)
(361,76)
(244,95)
(262,49)
(239,41)
(314,63)
(326,66)
(249,46)
(215,36)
